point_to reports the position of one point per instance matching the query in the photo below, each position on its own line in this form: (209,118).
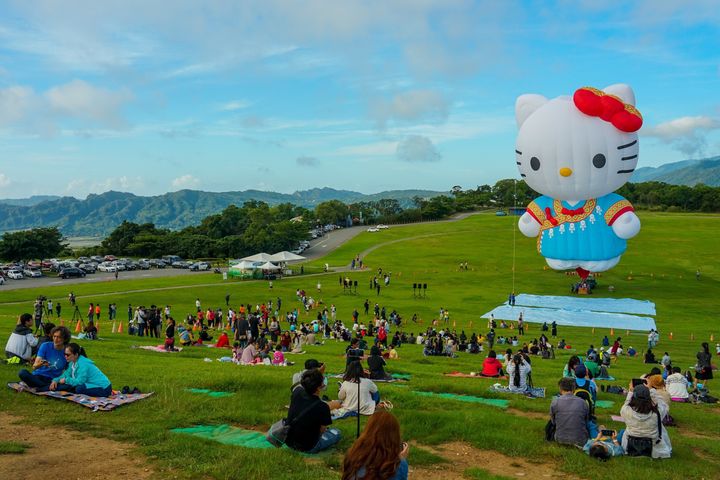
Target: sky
(154,96)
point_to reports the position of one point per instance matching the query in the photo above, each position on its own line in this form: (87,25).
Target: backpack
(585,393)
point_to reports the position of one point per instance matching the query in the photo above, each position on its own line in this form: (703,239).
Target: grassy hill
(659,266)
(687,172)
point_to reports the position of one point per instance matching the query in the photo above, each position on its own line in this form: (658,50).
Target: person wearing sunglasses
(81,375)
(49,362)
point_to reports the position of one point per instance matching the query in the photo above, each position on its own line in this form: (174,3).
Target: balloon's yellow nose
(565,172)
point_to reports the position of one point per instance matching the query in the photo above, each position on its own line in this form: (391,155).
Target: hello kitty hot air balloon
(576,152)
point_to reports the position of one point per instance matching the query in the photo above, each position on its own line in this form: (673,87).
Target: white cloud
(369,150)
(416,148)
(685,134)
(234,105)
(185,181)
(305,161)
(4,180)
(81,100)
(427,105)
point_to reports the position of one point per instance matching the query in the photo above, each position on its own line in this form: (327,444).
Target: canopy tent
(269,266)
(258,257)
(245,265)
(285,257)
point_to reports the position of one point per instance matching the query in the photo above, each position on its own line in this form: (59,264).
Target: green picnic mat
(227,435)
(604,403)
(495,402)
(401,376)
(209,393)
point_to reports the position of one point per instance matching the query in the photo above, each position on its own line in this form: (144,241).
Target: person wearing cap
(310,364)
(642,414)
(570,415)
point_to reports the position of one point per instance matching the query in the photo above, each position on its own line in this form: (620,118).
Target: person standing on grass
(91,313)
(703,370)
(58,309)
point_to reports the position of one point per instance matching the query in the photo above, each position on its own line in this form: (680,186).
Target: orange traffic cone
(78,326)
(114,329)
(612,332)
(670,335)
(120,329)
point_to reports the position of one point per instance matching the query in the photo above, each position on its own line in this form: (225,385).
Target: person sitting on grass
(90,330)
(49,362)
(570,415)
(366,393)
(378,452)
(677,386)
(644,433)
(223,341)
(376,364)
(650,356)
(81,375)
(604,447)
(569,370)
(310,364)
(309,416)
(278,357)
(186,336)
(518,371)
(21,343)
(354,352)
(491,366)
(47,336)
(170,335)
(250,354)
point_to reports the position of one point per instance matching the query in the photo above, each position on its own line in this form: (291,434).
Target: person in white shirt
(677,386)
(350,392)
(518,370)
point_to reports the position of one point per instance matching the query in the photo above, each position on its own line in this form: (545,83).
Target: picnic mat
(159,348)
(604,403)
(495,402)
(531,392)
(468,375)
(227,435)
(102,404)
(607,379)
(209,393)
(396,377)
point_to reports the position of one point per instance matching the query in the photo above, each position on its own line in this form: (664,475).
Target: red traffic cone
(120,329)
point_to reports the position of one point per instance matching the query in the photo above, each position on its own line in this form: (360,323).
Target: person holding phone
(49,362)
(378,452)
(643,413)
(605,446)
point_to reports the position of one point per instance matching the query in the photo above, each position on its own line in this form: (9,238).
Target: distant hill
(98,215)
(687,172)
(28,202)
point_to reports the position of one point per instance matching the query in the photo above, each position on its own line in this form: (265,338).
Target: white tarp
(269,266)
(245,265)
(285,257)
(258,257)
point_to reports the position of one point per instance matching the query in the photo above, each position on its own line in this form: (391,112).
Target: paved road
(318,248)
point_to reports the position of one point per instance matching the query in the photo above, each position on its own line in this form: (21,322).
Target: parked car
(382,227)
(500,213)
(107,267)
(15,274)
(88,267)
(32,272)
(200,266)
(71,272)
(143,265)
(181,264)
(373,229)
(119,266)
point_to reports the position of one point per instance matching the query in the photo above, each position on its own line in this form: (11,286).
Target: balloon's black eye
(535,163)
(599,160)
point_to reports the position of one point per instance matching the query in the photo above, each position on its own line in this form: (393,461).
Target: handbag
(278,432)
(550,431)
(639,447)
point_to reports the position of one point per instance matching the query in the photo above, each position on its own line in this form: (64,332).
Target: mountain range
(686,172)
(98,215)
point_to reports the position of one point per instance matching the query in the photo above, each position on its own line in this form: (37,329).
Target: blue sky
(155,96)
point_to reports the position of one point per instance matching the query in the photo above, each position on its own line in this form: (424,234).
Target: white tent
(285,257)
(245,265)
(258,257)
(269,266)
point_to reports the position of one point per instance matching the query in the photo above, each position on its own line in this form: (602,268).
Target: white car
(32,272)
(373,229)
(15,274)
(107,267)
(382,227)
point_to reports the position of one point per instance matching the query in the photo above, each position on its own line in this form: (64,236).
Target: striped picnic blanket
(102,404)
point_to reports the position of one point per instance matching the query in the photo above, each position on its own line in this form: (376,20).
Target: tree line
(255,226)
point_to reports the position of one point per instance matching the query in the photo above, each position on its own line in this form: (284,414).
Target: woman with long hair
(355,388)
(518,371)
(569,370)
(379,453)
(81,375)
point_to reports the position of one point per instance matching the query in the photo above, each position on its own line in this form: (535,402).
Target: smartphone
(638,381)
(607,433)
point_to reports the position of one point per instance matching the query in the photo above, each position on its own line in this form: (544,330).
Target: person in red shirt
(491,366)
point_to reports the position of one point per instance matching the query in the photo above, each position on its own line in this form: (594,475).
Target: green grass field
(660,266)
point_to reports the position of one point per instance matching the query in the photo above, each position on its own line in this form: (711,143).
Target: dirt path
(462,456)
(66,454)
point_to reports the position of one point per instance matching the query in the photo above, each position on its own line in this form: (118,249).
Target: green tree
(37,243)
(332,211)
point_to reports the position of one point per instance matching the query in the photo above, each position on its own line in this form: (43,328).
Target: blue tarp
(613,305)
(574,318)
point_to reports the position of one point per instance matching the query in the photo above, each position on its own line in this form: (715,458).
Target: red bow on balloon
(596,103)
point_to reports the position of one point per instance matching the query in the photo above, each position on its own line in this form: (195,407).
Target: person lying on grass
(603,447)
(81,375)
(49,362)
